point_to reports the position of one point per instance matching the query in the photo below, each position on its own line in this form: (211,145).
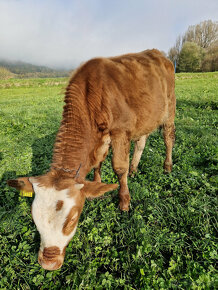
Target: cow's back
(131,92)
(140,87)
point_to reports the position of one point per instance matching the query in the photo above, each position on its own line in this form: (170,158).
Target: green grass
(166,241)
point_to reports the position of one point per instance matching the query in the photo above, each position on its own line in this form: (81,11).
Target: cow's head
(56,210)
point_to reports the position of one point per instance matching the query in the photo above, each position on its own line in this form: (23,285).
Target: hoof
(132,172)
(168,168)
(90,198)
(123,206)
(124,203)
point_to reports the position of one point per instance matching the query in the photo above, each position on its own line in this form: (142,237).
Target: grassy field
(166,241)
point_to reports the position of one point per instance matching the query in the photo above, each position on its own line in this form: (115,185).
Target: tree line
(197,49)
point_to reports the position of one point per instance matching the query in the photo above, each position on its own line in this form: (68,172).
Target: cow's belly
(148,122)
(140,122)
(148,116)
(141,111)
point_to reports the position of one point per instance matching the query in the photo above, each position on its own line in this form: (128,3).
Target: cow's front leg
(120,146)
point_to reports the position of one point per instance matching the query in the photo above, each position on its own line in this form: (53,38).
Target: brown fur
(95,189)
(71,220)
(59,205)
(21,183)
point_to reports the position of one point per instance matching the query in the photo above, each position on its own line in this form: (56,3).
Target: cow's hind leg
(139,147)
(120,146)
(99,155)
(97,173)
(169,139)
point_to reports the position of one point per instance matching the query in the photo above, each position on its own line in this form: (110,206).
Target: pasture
(166,240)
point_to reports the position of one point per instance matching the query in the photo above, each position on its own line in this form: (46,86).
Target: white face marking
(49,222)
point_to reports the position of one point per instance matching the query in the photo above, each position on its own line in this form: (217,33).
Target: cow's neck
(74,138)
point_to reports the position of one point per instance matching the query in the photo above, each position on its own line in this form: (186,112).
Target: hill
(21,69)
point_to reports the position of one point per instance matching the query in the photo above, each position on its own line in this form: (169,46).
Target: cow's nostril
(49,261)
(51,252)
(51,265)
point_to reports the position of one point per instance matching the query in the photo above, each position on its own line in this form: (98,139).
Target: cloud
(64,33)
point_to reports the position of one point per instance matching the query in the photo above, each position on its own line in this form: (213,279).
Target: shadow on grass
(8,200)
(42,150)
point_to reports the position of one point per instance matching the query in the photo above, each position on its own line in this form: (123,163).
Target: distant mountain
(22,69)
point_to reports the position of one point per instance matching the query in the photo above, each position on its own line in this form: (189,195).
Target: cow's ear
(94,189)
(21,183)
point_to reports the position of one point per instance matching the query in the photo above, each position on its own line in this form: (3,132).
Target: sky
(65,33)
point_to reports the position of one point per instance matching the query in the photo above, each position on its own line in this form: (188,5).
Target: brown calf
(108,102)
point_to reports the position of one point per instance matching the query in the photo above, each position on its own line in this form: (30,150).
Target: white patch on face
(49,222)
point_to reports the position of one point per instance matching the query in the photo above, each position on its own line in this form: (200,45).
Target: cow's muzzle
(50,258)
